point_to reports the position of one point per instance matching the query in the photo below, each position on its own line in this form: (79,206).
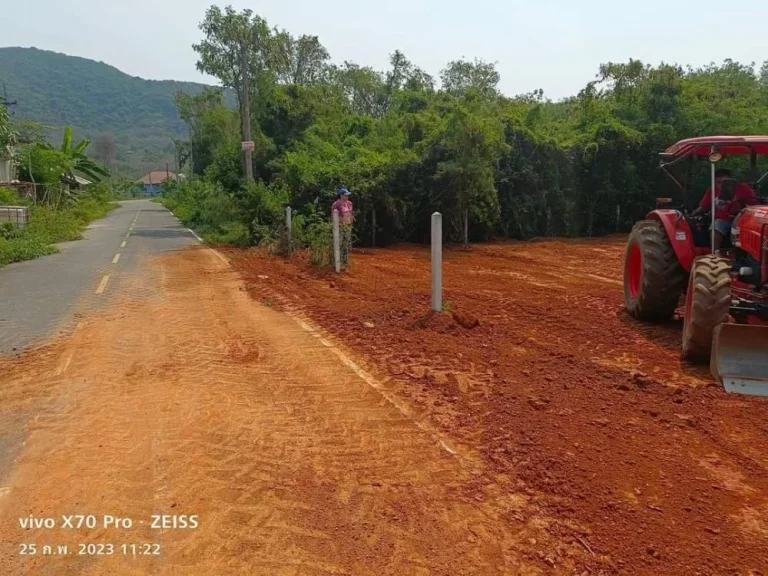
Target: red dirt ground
(635,459)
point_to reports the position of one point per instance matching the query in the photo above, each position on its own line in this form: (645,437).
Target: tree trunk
(373,236)
(466,227)
(548,231)
(246,113)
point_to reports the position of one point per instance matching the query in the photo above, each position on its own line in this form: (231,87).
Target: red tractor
(726,300)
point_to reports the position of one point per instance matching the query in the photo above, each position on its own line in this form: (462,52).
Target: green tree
(364,88)
(518,166)
(470,143)
(51,166)
(8,135)
(460,76)
(241,51)
(305,61)
(212,126)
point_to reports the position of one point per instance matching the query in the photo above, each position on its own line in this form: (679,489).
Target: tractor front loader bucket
(740,358)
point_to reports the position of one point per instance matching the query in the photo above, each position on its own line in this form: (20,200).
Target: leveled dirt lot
(625,460)
(186,398)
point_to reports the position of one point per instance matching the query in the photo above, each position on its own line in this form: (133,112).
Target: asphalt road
(43,297)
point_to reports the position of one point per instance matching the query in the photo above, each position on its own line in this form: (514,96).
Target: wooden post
(336,242)
(437,262)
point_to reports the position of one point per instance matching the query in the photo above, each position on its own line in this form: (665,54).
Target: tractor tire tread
(663,279)
(710,307)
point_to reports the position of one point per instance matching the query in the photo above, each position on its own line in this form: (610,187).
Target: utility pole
(191,157)
(5,100)
(246,111)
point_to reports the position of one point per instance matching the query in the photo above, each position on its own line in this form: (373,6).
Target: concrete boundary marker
(437,262)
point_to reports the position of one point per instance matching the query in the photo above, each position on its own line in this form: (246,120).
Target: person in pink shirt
(346,218)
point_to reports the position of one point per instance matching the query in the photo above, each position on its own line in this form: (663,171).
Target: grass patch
(47,226)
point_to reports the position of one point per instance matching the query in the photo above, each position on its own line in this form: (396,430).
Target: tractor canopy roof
(726,145)
(703,146)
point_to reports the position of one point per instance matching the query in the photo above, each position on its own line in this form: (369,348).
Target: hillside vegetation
(407,145)
(97,100)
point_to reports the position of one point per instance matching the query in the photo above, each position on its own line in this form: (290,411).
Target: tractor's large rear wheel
(653,277)
(707,305)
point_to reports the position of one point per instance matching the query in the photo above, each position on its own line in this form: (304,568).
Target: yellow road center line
(116,259)
(128,235)
(123,244)
(102,284)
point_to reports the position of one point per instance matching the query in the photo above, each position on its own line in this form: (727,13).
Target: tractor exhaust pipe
(740,358)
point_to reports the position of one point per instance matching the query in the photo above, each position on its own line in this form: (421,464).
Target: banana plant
(8,136)
(77,161)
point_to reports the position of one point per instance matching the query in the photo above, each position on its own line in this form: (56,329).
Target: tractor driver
(737,195)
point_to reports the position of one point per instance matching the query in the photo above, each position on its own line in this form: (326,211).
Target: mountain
(97,100)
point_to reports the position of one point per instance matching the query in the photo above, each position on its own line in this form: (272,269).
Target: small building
(152,182)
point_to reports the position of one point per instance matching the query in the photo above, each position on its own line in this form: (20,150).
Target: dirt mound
(466,320)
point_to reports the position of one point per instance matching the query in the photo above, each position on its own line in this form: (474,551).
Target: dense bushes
(253,215)
(494,166)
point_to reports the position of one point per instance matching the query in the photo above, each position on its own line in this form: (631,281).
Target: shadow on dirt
(667,335)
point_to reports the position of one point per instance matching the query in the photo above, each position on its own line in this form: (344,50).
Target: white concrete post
(713,200)
(289,228)
(437,262)
(336,242)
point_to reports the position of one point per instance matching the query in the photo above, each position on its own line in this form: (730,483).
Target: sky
(555,45)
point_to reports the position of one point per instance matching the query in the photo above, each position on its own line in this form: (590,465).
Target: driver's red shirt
(724,209)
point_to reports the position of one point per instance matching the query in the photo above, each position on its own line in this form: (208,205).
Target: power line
(5,102)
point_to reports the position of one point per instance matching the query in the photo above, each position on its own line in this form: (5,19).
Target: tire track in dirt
(185,397)
(638,464)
